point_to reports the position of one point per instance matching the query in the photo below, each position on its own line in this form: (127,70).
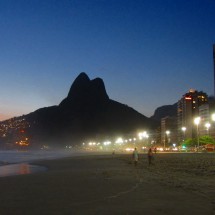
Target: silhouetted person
(150,156)
(135,156)
(113,153)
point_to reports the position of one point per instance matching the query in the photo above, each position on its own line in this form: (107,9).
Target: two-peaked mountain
(85,114)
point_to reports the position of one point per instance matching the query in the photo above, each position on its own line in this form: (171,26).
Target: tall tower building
(214,66)
(168,124)
(188,109)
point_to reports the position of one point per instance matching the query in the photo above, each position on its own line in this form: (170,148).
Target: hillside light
(197,121)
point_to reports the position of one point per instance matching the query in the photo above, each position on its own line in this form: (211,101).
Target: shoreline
(28,166)
(106,184)
(23,168)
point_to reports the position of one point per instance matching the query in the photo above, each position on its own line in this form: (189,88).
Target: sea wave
(15,162)
(15,156)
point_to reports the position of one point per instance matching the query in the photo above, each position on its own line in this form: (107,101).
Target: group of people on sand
(149,155)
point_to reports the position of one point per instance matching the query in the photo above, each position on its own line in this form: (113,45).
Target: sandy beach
(180,183)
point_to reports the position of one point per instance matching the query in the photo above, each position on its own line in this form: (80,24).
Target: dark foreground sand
(175,184)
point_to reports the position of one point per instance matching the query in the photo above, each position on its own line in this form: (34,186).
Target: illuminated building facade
(188,109)
(168,131)
(205,113)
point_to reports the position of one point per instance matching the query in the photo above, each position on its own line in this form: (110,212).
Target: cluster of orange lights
(23,142)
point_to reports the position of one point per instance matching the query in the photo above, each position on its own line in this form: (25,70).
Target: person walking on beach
(150,156)
(135,156)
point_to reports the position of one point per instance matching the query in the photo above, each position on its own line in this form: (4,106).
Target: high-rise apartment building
(168,131)
(214,66)
(204,114)
(188,109)
(207,126)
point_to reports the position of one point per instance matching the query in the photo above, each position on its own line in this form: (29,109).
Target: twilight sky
(148,52)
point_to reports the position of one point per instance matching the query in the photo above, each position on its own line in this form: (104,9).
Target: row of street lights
(119,142)
(197,121)
(207,125)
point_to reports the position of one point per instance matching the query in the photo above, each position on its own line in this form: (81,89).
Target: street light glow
(143,135)
(119,140)
(197,120)
(184,129)
(207,125)
(213,116)
(167,132)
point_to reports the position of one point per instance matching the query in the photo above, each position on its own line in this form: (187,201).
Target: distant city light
(119,140)
(143,135)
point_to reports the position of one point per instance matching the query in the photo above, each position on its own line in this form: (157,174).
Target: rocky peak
(97,89)
(80,84)
(86,91)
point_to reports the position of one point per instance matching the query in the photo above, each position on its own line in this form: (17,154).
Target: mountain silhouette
(87,113)
(165,110)
(85,93)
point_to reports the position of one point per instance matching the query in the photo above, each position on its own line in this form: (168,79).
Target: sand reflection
(20,169)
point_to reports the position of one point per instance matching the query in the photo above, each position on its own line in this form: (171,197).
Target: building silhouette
(168,131)
(188,108)
(214,66)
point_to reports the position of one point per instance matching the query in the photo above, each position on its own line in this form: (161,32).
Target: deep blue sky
(148,52)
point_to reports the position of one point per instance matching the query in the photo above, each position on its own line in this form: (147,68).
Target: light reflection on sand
(20,169)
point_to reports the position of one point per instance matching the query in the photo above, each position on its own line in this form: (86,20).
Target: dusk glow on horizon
(148,53)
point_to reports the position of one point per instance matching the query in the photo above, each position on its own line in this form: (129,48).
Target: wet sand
(103,184)
(20,169)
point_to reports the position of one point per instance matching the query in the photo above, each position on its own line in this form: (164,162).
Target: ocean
(14,162)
